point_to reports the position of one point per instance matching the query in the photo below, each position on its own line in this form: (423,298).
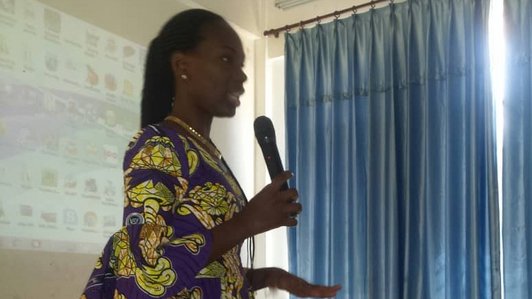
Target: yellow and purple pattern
(175,192)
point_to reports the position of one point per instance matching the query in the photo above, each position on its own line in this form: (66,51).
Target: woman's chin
(226,113)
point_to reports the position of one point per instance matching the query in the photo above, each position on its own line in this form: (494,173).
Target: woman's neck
(184,127)
(200,122)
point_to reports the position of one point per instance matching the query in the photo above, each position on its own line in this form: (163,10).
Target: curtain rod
(336,14)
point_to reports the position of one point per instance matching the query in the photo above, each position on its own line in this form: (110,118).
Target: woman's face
(214,69)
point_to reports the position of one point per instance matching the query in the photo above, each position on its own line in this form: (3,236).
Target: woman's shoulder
(141,135)
(155,134)
(154,146)
(156,140)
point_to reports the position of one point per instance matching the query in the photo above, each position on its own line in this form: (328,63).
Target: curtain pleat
(390,133)
(517,148)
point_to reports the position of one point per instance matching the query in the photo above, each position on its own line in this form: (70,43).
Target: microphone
(265,134)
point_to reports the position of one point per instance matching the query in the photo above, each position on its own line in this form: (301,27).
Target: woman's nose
(242,76)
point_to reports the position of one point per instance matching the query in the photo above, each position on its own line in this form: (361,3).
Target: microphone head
(264,131)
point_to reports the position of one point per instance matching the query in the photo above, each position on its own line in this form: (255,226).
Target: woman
(185,214)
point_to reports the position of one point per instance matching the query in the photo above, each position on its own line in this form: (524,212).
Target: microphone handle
(273,162)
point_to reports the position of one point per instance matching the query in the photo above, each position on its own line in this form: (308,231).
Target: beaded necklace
(207,143)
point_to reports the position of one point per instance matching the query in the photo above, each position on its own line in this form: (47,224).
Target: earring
(184,77)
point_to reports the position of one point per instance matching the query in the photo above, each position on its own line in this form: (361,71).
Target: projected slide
(69,103)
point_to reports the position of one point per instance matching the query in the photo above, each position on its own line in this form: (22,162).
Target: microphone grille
(264,131)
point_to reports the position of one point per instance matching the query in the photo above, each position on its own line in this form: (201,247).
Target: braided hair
(181,33)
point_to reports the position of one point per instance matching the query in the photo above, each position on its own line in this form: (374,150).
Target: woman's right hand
(269,209)
(272,207)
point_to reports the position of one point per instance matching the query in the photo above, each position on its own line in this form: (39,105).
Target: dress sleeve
(158,252)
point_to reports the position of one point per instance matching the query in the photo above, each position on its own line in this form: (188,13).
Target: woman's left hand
(300,287)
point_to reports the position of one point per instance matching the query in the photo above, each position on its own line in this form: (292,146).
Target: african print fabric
(175,192)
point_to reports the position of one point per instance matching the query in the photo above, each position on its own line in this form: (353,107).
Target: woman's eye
(226,59)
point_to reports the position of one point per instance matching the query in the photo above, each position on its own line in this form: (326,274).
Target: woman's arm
(269,209)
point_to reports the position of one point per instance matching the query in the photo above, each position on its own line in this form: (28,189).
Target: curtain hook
(318,20)
(354,9)
(372,4)
(336,15)
(300,25)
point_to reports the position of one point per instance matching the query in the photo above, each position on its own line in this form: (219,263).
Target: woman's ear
(179,64)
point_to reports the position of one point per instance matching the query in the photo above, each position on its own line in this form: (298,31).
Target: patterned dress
(175,192)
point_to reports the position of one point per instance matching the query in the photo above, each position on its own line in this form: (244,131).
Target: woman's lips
(234,98)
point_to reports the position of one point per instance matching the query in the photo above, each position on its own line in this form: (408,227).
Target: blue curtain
(517,151)
(390,134)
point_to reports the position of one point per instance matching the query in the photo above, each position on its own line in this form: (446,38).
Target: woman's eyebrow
(229,48)
(233,50)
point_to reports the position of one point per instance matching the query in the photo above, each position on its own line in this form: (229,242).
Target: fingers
(291,195)
(301,288)
(319,291)
(324,291)
(293,208)
(291,211)
(291,221)
(279,179)
(283,203)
